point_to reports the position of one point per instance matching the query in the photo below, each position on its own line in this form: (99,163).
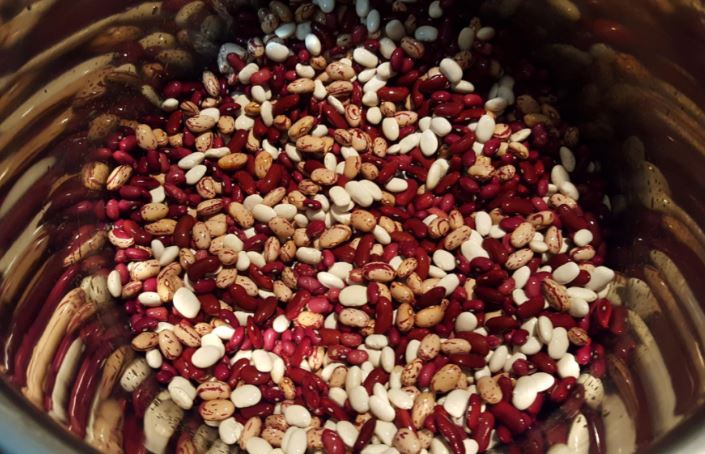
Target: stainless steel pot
(631,75)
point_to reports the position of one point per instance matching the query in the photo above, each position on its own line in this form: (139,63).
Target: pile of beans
(358,233)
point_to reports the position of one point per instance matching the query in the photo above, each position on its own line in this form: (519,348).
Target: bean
(182,231)
(332,442)
(364,436)
(514,419)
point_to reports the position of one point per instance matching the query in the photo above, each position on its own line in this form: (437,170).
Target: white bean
(246,396)
(353,296)
(276,52)
(186,302)
(452,70)
(297,415)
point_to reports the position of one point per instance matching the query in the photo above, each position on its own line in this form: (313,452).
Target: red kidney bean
(393,94)
(492,278)
(241,298)
(432,297)
(182,231)
(536,405)
(329,407)
(202,267)
(209,304)
(265,311)
(388,170)
(449,431)
(445,185)
(423,263)
(469,360)
(261,410)
(441,96)
(204,285)
(254,334)
(285,104)
(364,436)
(262,281)
(496,250)
(562,320)
(250,375)
(229,317)
(237,141)
(510,416)
(485,425)
(504,435)
(236,369)
(362,252)
(409,78)
(435,83)
(332,115)
(332,442)
(583,355)
(221,371)
(472,416)
(261,77)
(501,323)
(311,284)
(489,294)
(530,308)
(377,375)
(448,109)
(402,419)
(523,207)
(405,197)
(562,389)
(329,336)
(602,312)
(255,243)
(247,183)
(373,293)
(384,316)
(430,423)
(397,59)
(235,62)
(544,363)
(272,395)
(272,179)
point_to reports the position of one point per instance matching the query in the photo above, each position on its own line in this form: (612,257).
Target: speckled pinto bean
(355,232)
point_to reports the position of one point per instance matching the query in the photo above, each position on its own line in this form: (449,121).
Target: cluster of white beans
(345,211)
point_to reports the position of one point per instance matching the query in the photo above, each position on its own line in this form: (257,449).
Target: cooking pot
(628,73)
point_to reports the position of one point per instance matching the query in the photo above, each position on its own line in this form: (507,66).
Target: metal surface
(24,430)
(630,73)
